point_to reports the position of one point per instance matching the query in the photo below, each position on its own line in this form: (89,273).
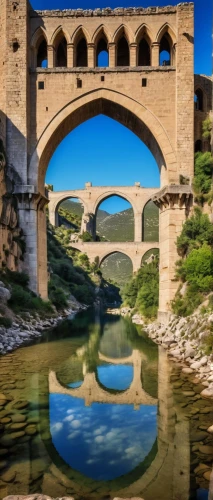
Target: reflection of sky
(103,441)
(115,377)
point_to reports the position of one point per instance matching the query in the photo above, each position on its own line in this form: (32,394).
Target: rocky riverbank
(24,330)
(189,341)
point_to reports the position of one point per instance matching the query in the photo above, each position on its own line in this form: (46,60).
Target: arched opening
(61,53)
(102,53)
(81,53)
(69,214)
(117,268)
(41,59)
(115,220)
(144,53)
(198,146)
(150,256)
(198,100)
(165,50)
(122,52)
(150,222)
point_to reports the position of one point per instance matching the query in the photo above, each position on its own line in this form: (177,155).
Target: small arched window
(81,53)
(61,54)
(198,99)
(122,52)
(165,50)
(144,56)
(102,53)
(198,146)
(42,54)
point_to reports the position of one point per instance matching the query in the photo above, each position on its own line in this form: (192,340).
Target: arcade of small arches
(123,48)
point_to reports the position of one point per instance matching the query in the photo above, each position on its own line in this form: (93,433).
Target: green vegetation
(203,177)
(72,273)
(195,269)
(22,299)
(6,322)
(142,291)
(196,231)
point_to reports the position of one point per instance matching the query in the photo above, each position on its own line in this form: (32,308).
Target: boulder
(4,294)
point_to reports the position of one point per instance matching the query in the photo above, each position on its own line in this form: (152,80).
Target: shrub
(142,291)
(18,278)
(7,322)
(196,231)
(58,298)
(197,268)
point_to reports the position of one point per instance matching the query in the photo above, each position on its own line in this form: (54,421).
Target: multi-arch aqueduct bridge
(91,198)
(41,103)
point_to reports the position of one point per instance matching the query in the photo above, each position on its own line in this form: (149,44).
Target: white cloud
(69,418)
(56,427)
(76,424)
(99,439)
(74,434)
(100,430)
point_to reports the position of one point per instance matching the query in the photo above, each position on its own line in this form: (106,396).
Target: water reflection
(96,410)
(94,425)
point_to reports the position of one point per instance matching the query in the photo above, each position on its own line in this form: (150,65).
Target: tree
(196,231)
(202,183)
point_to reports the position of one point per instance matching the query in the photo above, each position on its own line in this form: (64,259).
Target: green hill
(114,227)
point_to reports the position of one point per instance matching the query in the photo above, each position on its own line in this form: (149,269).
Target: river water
(96,410)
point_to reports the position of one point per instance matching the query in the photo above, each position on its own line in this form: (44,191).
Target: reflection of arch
(91,392)
(146,237)
(125,110)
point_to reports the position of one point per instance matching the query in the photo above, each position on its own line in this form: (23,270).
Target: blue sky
(111,154)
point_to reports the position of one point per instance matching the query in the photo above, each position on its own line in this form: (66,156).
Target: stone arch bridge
(41,104)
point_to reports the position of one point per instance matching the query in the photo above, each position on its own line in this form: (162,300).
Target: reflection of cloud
(69,418)
(75,424)
(99,439)
(56,427)
(73,435)
(100,430)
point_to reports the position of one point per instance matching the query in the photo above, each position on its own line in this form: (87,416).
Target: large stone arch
(116,105)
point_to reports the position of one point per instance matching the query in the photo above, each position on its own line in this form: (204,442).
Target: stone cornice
(173,196)
(107,12)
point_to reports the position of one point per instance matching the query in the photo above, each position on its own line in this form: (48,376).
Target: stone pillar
(32,220)
(70,55)
(138,227)
(88,224)
(155,54)
(112,54)
(91,55)
(174,203)
(185,89)
(51,56)
(133,55)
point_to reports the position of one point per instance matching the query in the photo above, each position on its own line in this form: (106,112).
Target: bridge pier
(175,203)
(32,220)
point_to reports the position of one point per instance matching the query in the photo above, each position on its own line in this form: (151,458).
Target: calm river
(96,410)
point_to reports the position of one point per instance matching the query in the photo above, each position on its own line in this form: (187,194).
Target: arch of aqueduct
(41,105)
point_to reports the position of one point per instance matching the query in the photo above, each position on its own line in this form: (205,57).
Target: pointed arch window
(102,53)
(61,53)
(165,51)
(198,100)
(81,53)
(41,60)
(144,53)
(122,52)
